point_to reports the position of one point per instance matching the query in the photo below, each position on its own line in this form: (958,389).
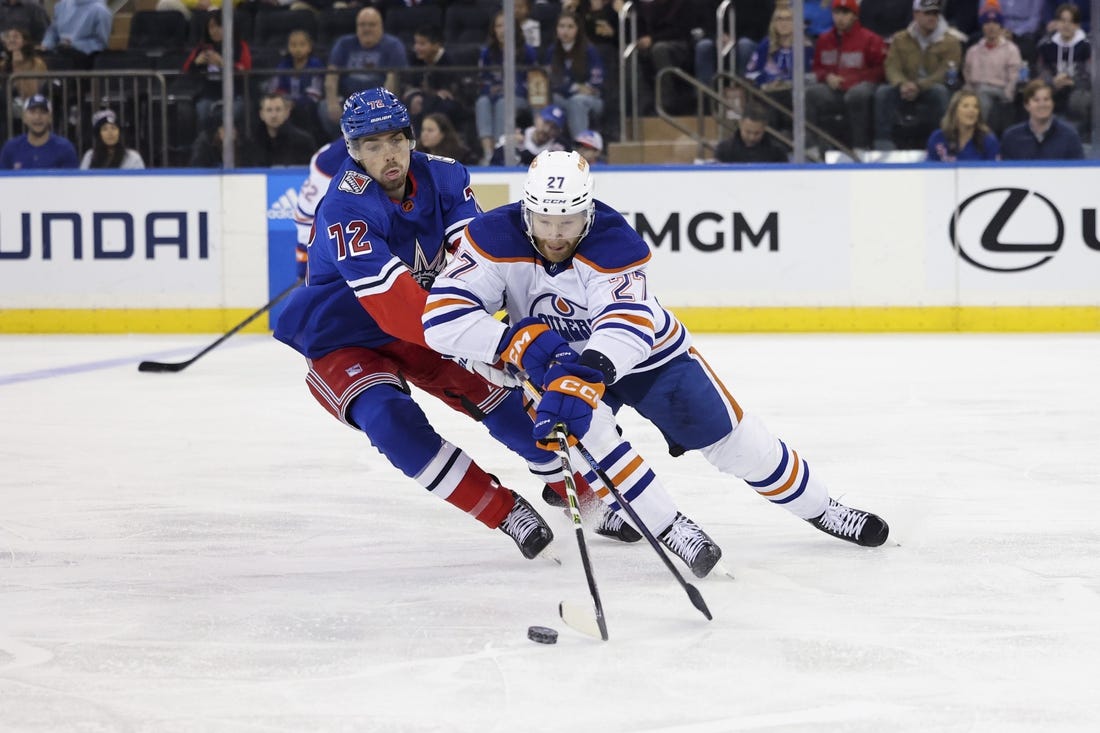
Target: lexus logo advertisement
(1015,229)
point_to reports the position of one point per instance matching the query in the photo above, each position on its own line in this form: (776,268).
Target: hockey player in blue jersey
(571,273)
(379,237)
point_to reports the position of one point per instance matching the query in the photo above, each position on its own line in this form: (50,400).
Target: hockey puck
(542,634)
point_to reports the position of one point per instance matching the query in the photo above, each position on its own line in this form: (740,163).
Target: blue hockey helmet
(373,112)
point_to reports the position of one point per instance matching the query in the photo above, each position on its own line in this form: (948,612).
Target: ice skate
(692,545)
(613,526)
(529,530)
(551,497)
(852,525)
(610,523)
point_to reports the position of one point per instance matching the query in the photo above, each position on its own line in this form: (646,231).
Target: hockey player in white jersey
(571,273)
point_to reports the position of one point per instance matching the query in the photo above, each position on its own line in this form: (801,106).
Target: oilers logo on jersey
(562,315)
(354,182)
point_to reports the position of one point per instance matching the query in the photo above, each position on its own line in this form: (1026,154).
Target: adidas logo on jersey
(284,206)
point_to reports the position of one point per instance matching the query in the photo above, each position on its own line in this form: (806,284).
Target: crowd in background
(963,79)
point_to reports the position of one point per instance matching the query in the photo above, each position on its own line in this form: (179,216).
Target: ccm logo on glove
(587,391)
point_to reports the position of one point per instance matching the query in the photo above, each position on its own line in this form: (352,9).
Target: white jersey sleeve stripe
(379,283)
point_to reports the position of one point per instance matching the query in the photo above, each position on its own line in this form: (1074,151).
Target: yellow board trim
(1037,319)
(1022,319)
(168,321)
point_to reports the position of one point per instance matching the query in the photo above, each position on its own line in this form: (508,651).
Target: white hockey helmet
(559,183)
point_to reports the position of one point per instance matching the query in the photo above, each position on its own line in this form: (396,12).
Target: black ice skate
(852,525)
(613,526)
(610,524)
(692,545)
(551,497)
(529,530)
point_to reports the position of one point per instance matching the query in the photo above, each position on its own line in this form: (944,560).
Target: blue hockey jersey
(371,258)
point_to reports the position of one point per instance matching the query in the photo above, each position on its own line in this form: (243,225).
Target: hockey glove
(533,347)
(488,372)
(301,260)
(571,394)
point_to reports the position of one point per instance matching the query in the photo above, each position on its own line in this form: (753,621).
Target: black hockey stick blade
(168,366)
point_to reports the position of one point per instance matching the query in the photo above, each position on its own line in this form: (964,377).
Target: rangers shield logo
(354,182)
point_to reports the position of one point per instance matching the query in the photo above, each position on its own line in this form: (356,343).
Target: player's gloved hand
(569,397)
(490,372)
(301,259)
(533,347)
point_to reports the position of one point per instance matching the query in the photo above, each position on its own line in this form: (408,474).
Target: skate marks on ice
(209,551)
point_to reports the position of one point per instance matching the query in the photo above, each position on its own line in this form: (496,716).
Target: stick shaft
(575,512)
(160,366)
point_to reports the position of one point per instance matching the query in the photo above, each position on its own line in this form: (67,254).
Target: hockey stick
(692,592)
(572,616)
(163,366)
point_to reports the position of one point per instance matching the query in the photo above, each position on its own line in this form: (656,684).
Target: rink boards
(847,248)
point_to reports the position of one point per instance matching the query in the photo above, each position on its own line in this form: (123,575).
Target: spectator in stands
(371,53)
(206,152)
(529,29)
(817,16)
(108,149)
(1023,21)
(1042,136)
(29,15)
(20,55)
(576,74)
(303,90)
(1063,63)
(674,33)
(887,17)
(963,134)
(589,144)
(992,68)
(848,64)
(206,64)
(38,147)
(750,142)
(80,30)
(439,137)
(548,133)
(771,67)
(600,21)
(1050,14)
(916,67)
(278,141)
(751,20)
(489,107)
(430,73)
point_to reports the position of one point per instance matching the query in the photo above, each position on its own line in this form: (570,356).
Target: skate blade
(721,569)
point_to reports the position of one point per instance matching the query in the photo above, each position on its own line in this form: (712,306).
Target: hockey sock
(399,429)
(453,476)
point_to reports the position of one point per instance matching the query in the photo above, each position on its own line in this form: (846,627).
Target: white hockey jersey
(598,299)
(322,167)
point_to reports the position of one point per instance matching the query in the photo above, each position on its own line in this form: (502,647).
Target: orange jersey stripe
(631,266)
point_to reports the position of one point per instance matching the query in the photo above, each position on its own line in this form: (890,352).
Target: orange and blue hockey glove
(571,394)
(533,347)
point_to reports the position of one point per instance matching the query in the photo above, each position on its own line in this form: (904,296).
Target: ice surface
(209,551)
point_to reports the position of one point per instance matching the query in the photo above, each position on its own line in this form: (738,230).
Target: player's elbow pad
(595,360)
